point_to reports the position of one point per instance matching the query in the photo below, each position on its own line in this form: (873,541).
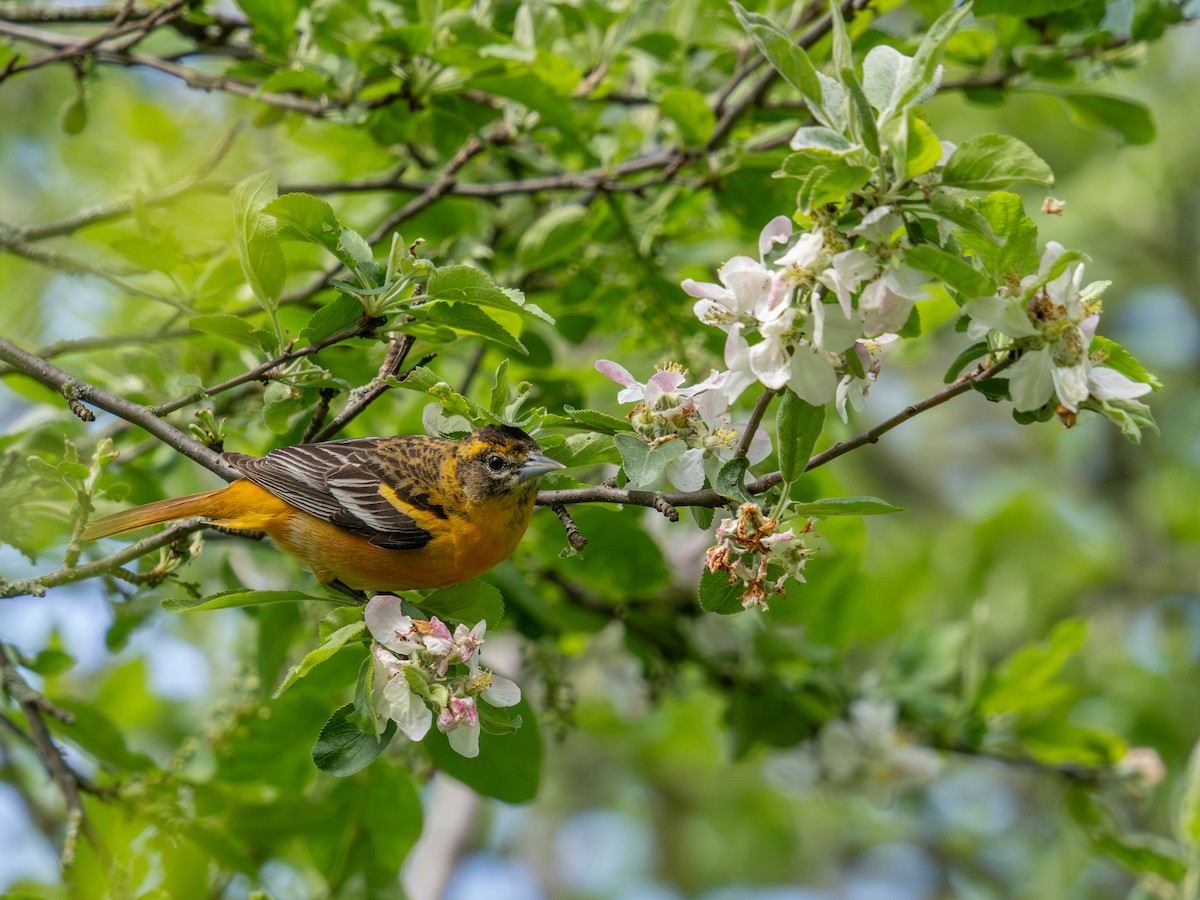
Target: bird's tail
(154,513)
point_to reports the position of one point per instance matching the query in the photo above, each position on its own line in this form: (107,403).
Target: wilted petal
(1031,382)
(1071,384)
(502,692)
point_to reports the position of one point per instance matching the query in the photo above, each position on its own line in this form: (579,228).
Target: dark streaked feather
(339,482)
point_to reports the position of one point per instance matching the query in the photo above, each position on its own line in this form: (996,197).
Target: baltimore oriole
(378,514)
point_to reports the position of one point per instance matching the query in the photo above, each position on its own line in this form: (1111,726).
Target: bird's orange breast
(466,543)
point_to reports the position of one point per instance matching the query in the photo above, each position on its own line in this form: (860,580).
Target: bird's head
(500,459)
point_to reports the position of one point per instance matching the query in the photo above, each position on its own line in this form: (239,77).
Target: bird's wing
(342,483)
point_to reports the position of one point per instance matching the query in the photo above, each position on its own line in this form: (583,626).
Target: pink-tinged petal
(502,692)
(737,348)
(386,620)
(705,290)
(777,231)
(616,372)
(666,381)
(464,740)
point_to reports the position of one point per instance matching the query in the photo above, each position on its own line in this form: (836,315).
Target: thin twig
(68,386)
(60,772)
(360,328)
(574,538)
(756,416)
(364,396)
(319,414)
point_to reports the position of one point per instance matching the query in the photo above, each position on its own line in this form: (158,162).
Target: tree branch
(37,587)
(364,396)
(73,388)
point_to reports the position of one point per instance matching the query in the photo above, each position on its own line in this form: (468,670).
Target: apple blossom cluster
(1052,320)
(421,667)
(822,304)
(747,546)
(698,415)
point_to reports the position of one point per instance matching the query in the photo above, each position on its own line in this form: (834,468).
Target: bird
(375,514)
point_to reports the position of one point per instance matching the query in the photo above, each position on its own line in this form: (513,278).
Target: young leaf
(955,271)
(343,748)
(845,506)
(643,462)
(234,329)
(470,602)
(309,217)
(231,599)
(731,481)
(554,236)
(784,54)
(989,161)
(331,645)
(332,318)
(691,114)
(1117,357)
(798,425)
(1128,118)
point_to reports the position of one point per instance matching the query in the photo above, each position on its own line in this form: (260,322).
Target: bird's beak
(538,464)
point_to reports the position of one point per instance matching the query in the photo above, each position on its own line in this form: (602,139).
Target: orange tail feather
(154,514)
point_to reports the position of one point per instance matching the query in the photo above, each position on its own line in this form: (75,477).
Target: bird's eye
(495,463)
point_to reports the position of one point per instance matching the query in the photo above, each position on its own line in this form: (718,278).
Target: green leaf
(953,270)
(1023,681)
(258,244)
(731,481)
(331,645)
(597,421)
(498,399)
(922,149)
(831,184)
(332,318)
(587,449)
(717,595)
(972,353)
(784,54)
(988,161)
(470,602)
(508,766)
(1024,9)
(531,91)
(73,116)
(922,76)
(463,318)
(280,402)
(1012,253)
(309,218)
(231,599)
(644,464)
(845,506)
(1188,824)
(470,285)
(1114,356)
(691,114)
(818,137)
(234,329)
(95,732)
(798,425)
(554,236)
(1130,119)
(343,748)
